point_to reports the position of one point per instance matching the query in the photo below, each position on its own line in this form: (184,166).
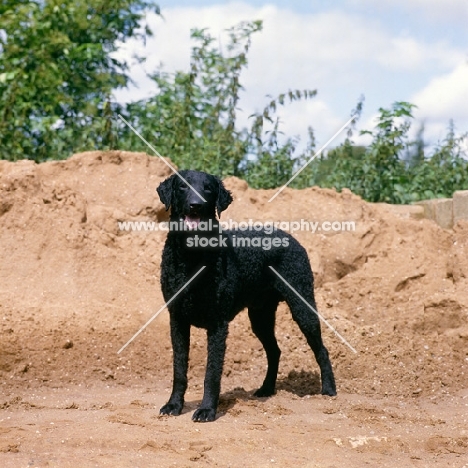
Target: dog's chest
(204,291)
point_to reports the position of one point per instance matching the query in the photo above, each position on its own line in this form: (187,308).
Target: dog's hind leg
(262,319)
(309,323)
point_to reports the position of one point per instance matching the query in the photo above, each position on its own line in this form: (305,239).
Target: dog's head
(194,196)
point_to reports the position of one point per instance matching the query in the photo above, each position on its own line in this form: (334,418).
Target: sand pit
(74,289)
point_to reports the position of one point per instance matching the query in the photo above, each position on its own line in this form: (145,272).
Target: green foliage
(444,172)
(58,69)
(375,172)
(271,162)
(57,73)
(193,116)
(393,169)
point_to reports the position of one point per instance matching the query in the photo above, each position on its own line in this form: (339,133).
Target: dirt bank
(74,289)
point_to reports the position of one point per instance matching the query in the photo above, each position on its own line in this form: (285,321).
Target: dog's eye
(183,186)
(207,189)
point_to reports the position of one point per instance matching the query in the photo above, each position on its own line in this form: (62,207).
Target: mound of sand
(74,288)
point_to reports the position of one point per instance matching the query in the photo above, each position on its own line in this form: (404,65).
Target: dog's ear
(224,198)
(165,191)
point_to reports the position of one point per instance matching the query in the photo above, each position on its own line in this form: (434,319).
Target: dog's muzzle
(193,218)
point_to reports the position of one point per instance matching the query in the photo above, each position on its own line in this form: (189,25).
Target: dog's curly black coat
(234,278)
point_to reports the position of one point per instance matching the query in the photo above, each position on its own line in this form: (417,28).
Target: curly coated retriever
(237,275)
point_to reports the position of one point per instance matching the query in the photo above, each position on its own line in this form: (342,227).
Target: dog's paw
(264,391)
(329,391)
(204,415)
(171,409)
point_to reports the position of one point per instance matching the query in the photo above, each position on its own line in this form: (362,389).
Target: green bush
(193,117)
(57,73)
(393,169)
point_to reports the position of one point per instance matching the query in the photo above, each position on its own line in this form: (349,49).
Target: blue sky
(400,50)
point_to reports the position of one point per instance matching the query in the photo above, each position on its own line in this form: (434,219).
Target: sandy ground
(119,426)
(74,289)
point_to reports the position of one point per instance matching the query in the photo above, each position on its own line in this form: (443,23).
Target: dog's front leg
(180,336)
(214,369)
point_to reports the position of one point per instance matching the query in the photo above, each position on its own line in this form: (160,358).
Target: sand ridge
(74,289)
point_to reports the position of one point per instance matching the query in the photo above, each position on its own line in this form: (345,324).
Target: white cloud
(406,53)
(340,54)
(444,98)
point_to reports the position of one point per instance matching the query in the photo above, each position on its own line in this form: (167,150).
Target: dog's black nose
(195,206)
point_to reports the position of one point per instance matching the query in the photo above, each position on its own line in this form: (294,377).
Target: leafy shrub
(393,169)
(57,74)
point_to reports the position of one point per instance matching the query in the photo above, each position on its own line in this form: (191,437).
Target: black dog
(234,277)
